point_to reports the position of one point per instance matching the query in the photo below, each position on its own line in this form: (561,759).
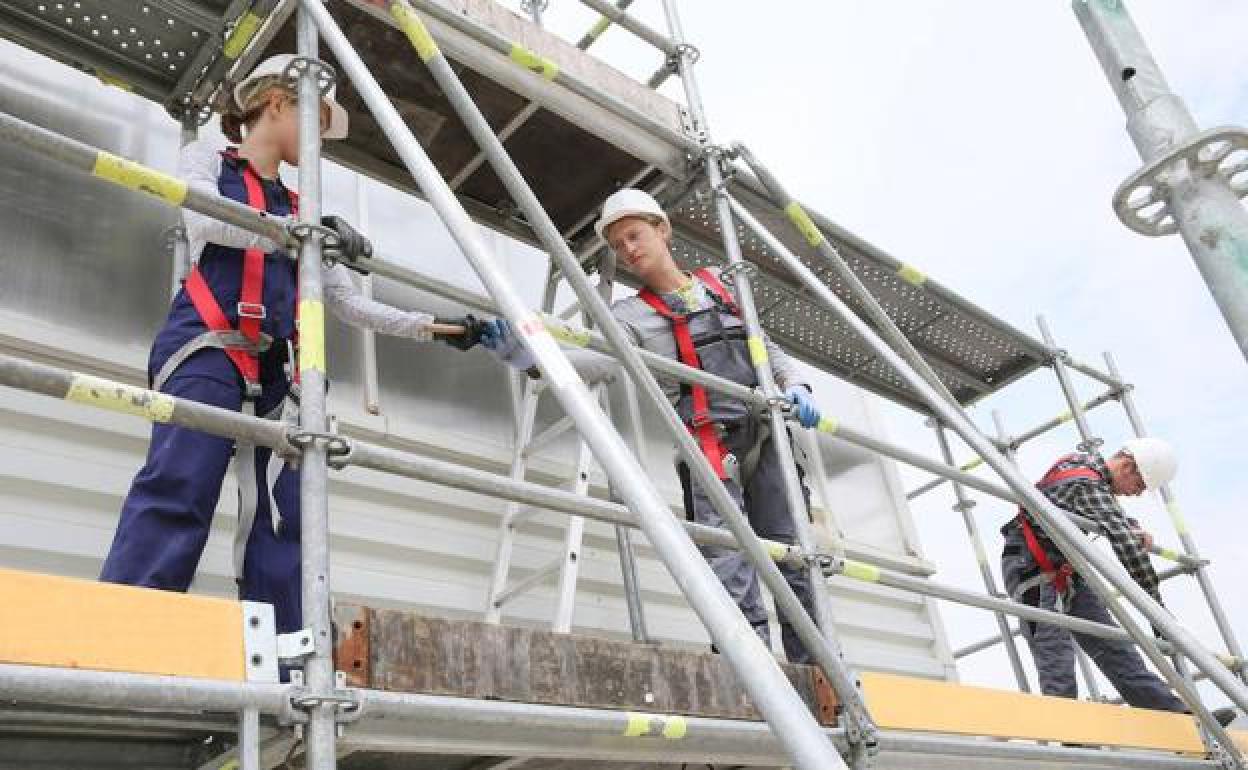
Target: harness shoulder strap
(708,278)
(701,426)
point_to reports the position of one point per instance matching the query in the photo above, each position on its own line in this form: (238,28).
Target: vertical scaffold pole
(1099,570)
(318,668)
(963,506)
(1180,526)
(1201,203)
(794,726)
(860,728)
(1087,441)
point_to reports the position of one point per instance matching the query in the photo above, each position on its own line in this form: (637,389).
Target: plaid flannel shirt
(1095,500)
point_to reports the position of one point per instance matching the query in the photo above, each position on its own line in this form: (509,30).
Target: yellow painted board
(908,703)
(57,621)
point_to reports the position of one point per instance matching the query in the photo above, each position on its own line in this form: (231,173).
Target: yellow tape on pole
(1168,554)
(804,223)
(109,79)
(674,727)
(246,28)
(139,177)
(534,62)
(758,350)
(311,335)
(1176,515)
(777,551)
(599,27)
(638,725)
(566,333)
(827,425)
(860,571)
(414,27)
(118,397)
(912,275)
(973,464)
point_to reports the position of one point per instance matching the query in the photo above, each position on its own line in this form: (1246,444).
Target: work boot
(1225,715)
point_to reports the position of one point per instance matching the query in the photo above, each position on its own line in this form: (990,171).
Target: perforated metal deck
(572,152)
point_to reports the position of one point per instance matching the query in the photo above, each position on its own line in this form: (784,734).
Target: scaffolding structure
(716,192)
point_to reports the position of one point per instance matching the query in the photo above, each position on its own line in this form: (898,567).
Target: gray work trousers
(1052,647)
(765,504)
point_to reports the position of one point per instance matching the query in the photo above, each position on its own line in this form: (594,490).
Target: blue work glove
(804,405)
(498,338)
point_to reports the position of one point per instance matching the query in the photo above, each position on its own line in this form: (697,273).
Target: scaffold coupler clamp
(337,446)
(187,112)
(303,231)
(729,272)
(172,236)
(346,702)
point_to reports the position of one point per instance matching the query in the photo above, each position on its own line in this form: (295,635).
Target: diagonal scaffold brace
(1102,573)
(793,724)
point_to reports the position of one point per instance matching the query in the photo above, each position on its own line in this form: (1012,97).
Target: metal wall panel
(84,282)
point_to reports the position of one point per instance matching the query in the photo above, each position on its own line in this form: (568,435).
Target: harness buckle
(252,310)
(252,391)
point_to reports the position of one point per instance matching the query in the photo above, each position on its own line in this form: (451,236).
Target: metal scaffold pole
(792,722)
(318,668)
(1186,184)
(963,505)
(1185,535)
(1099,570)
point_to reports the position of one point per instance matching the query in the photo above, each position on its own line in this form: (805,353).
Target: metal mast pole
(963,506)
(807,743)
(1180,526)
(318,669)
(1184,185)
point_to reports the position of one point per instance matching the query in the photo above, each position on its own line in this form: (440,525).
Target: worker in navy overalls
(230,340)
(692,318)
(1038,574)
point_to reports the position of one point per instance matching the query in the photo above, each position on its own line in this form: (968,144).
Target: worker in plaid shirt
(1036,573)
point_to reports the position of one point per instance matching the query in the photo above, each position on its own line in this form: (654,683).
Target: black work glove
(473,329)
(353,245)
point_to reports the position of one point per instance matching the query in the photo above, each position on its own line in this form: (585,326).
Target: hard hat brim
(604,222)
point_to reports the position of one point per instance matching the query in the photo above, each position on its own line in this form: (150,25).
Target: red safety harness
(251,309)
(1059,575)
(706,431)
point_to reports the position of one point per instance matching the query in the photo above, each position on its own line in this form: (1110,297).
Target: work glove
(505,344)
(473,331)
(804,405)
(352,245)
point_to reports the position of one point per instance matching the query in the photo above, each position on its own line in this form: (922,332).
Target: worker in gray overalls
(692,318)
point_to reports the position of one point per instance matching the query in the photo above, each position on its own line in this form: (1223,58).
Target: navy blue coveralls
(168,513)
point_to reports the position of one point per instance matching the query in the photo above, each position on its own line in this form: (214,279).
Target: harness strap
(222,340)
(251,310)
(706,431)
(1062,575)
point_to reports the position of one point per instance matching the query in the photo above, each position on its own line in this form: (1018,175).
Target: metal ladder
(527,395)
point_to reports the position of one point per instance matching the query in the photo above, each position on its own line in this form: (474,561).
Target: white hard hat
(1155,459)
(627,203)
(277,65)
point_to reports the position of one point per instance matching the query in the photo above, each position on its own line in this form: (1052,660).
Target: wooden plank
(907,703)
(56,621)
(412,653)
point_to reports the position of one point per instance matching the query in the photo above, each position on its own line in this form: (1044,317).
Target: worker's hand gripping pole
(1098,569)
(792,722)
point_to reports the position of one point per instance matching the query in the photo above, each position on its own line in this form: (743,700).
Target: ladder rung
(537,577)
(537,443)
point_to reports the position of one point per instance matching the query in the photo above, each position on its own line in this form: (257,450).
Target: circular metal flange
(301,231)
(326,77)
(1141,202)
(335,445)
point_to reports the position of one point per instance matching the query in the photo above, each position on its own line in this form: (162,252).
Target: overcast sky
(979,140)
